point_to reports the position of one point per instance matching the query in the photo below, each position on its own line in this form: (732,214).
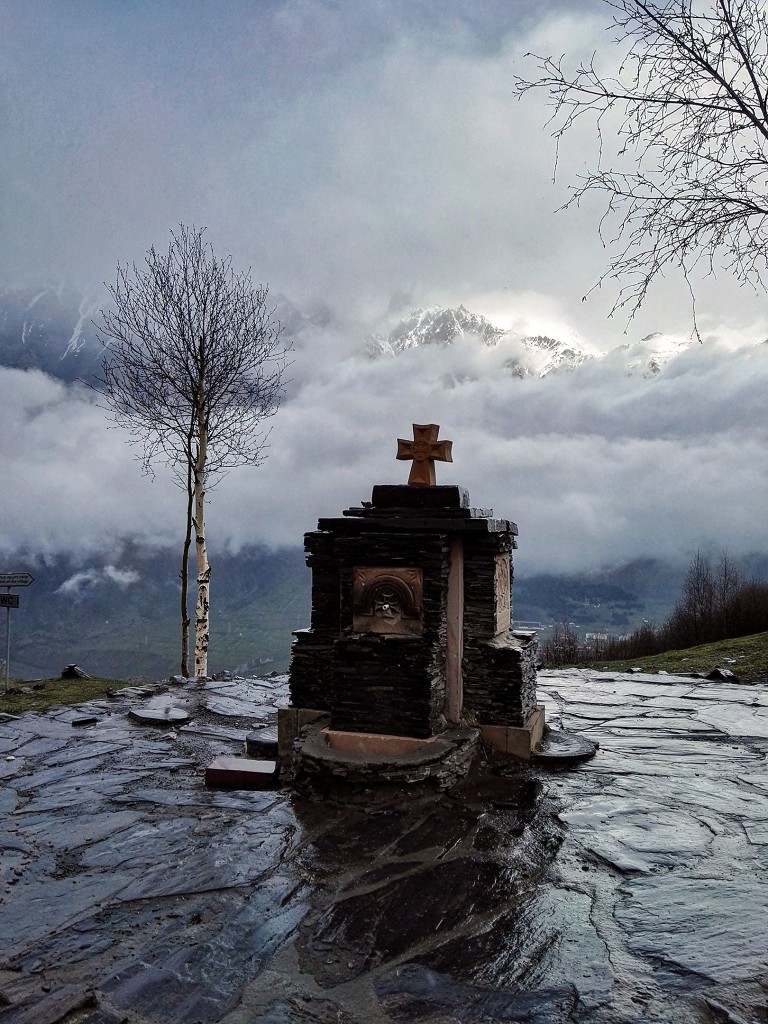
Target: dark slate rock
(102,1016)
(85,720)
(413,992)
(158,716)
(262,743)
(52,1007)
(201,982)
(73,672)
(724,675)
(235,707)
(562,749)
(404,496)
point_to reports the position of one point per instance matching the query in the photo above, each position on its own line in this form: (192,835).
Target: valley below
(120,619)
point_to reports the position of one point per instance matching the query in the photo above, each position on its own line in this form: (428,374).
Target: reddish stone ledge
(372,743)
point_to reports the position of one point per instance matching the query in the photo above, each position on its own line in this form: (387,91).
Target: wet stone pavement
(633,888)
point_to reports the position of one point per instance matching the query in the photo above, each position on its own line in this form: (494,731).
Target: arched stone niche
(387,600)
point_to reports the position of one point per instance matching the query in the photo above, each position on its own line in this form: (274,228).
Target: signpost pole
(8,580)
(7,640)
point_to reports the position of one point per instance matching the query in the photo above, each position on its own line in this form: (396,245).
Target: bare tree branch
(689,181)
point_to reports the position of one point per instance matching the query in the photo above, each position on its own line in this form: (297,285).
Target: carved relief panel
(387,601)
(503,593)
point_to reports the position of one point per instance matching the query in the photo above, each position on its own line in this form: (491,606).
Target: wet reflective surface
(633,888)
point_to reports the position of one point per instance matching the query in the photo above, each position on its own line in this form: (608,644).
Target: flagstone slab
(217,732)
(235,707)
(622,892)
(8,799)
(158,716)
(82,830)
(637,836)
(11,766)
(700,925)
(42,745)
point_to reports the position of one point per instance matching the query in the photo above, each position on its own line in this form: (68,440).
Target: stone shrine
(411,638)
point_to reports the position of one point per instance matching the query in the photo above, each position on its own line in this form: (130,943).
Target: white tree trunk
(202,622)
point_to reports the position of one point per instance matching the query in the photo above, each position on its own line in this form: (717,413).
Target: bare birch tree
(194,364)
(687,183)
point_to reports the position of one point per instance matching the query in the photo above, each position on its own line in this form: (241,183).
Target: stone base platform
(373,757)
(520,741)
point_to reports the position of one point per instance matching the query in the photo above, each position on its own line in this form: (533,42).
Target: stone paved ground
(631,889)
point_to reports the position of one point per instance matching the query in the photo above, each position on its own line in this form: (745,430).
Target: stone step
(241,773)
(262,743)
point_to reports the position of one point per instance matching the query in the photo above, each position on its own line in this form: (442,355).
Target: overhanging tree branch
(688,180)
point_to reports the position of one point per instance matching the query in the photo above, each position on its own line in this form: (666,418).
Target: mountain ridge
(539,355)
(51,328)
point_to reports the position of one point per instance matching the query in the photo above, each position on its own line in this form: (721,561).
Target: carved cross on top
(424,449)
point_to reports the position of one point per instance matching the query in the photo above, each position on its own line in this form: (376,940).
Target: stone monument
(411,640)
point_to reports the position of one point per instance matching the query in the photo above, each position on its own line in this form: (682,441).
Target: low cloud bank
(89,578)
(596,466)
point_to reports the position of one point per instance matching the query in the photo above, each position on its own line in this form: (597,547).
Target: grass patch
(55,691)
(746,657)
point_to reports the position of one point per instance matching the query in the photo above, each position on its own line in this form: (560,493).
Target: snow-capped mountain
(434,326)
(650,355)
(439,326)
(549,355)
(50,329)
(531,355)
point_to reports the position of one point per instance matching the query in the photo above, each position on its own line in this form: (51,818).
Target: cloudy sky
(369,155)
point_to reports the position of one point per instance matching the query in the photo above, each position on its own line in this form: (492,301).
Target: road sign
(15,579)
(8,601)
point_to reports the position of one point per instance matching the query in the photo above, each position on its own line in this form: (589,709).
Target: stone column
(454,648)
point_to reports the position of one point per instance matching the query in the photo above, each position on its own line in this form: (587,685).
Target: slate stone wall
(480,552)
(372,683)
(500,679)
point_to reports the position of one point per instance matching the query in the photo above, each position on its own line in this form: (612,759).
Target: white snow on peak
(36,299)
(649,356)
(540,355)
(435,325)
(87,309)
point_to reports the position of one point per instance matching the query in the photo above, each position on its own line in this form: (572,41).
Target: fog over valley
(651,450)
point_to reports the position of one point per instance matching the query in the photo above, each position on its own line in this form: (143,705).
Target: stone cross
(424,449)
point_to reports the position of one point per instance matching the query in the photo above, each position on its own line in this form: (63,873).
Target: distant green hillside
(746,657)
(121,619)
(613,600)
